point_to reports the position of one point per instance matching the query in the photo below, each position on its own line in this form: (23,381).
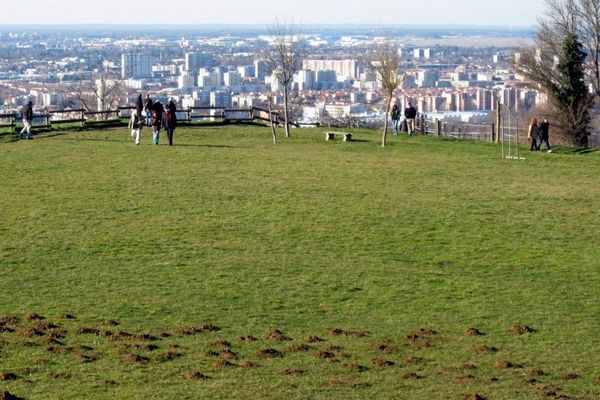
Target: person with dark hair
(148,109)
(136,123)
(139,105)
(170,120)
(410,113)
(533,135)
(544,128)
(395,116)
(27,115)
(156,120)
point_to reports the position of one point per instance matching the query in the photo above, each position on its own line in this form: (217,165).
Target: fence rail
(190,114)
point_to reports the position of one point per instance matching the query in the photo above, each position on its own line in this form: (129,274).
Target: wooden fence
(82,117)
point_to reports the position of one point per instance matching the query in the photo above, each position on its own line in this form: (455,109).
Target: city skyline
(189,12)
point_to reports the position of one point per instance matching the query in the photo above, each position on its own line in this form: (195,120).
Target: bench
(345,135)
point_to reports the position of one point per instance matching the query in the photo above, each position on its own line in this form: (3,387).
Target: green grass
(227,229)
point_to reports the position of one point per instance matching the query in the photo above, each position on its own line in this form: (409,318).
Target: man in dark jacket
(544,131)
(170,120)
(410,113)
(157,115)
(27,115)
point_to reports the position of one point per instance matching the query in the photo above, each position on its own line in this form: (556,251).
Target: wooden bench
(345,135)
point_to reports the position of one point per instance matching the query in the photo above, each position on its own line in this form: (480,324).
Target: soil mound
(168,356)
(520,330)
(381,363)
(247,364)
(275,335)
(473,396)
(8,376)
(194,376)
(192,330)
(222,364)
(313,339)
(411,376)
(6,395)
(295,348)
(473,332)
(486,349)
(269,353)
(292,372)
(247,339)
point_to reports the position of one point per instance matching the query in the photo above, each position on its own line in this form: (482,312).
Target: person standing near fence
(157,116)
(544,128)
(139,105)
(136,124)
(148,109)
(27,115)
(395,115)
(533,135)
(410,113)
(170,120)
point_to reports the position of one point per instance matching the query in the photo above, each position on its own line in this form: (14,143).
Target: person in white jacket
(135,126)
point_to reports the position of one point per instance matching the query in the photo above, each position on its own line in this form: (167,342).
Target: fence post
(13,122)
(47,118)
(492,132)
(498,110)
(438,127)
(423,124)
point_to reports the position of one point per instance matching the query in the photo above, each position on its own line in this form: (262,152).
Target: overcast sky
(428,12)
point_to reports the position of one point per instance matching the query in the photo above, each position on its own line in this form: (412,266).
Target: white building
(136,65)
(232,79)
(345,69)
(186,80)
(220,98)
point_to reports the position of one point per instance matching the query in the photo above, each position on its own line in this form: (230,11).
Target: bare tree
(101,94)
(387,65)
(271,122)
(284,59)
(589,32)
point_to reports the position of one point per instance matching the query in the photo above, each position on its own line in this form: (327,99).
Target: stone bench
(345,135)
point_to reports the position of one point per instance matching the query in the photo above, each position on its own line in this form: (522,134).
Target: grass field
(227,267)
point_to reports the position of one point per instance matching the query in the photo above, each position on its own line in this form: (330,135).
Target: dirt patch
(296,348)
(41,362)
(292,372)
(163,335)
(6,329)
(473,396)
(247,364)
(348,333)
(88,330)
(571,376)
(168,356)
(111,322)
(247,339)
(8,376)
(67,316)
(275,335)
(222,364)
(549,391)
(505,364)
(269,353)
(464,379)
(385,348)
(420,334)
(110,383)
(228,354)
(473,332)
(57,334)
(597,380)
(29,332)
(50,341)
(324,354)
(59,375)
(193,330)
(536,372)
(34,317)
(381,363)
(412,360)
(195,376)
(221,343)
(9,320)
(135,359)
(314,339)
(119,335)
(482,349)
(411,376)
(467,366)
(145,337)
(211,353)
(44,326)
(83,358)
(520,330)
(420,345)
(56,350)
(6,395)
(356,367)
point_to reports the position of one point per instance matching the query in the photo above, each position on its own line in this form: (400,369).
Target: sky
(298,12)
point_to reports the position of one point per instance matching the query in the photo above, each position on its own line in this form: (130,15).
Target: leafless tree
(284,59)
(271,122)
(387,66)
(101,94)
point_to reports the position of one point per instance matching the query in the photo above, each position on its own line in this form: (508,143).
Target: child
(135,125)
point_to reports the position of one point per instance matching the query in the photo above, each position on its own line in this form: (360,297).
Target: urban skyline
(380,12)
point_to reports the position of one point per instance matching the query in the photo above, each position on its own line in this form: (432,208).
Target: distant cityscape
(57,68)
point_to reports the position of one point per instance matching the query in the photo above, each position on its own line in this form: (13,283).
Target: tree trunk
(271,123)
(385,125)
(285,111)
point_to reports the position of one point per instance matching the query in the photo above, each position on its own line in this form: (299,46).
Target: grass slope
(306,237)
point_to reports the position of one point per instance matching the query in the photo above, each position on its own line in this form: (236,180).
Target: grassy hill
(226,267)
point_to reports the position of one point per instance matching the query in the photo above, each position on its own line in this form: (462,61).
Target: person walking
(157,116)
(395,115)
(545,135)
(410,113)
(27,115)
(148,109)
(136,123)
(170,120)
(533,135)
(139,105)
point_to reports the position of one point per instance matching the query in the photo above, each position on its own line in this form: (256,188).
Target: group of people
(538,134)
(153,114)
(410,114)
